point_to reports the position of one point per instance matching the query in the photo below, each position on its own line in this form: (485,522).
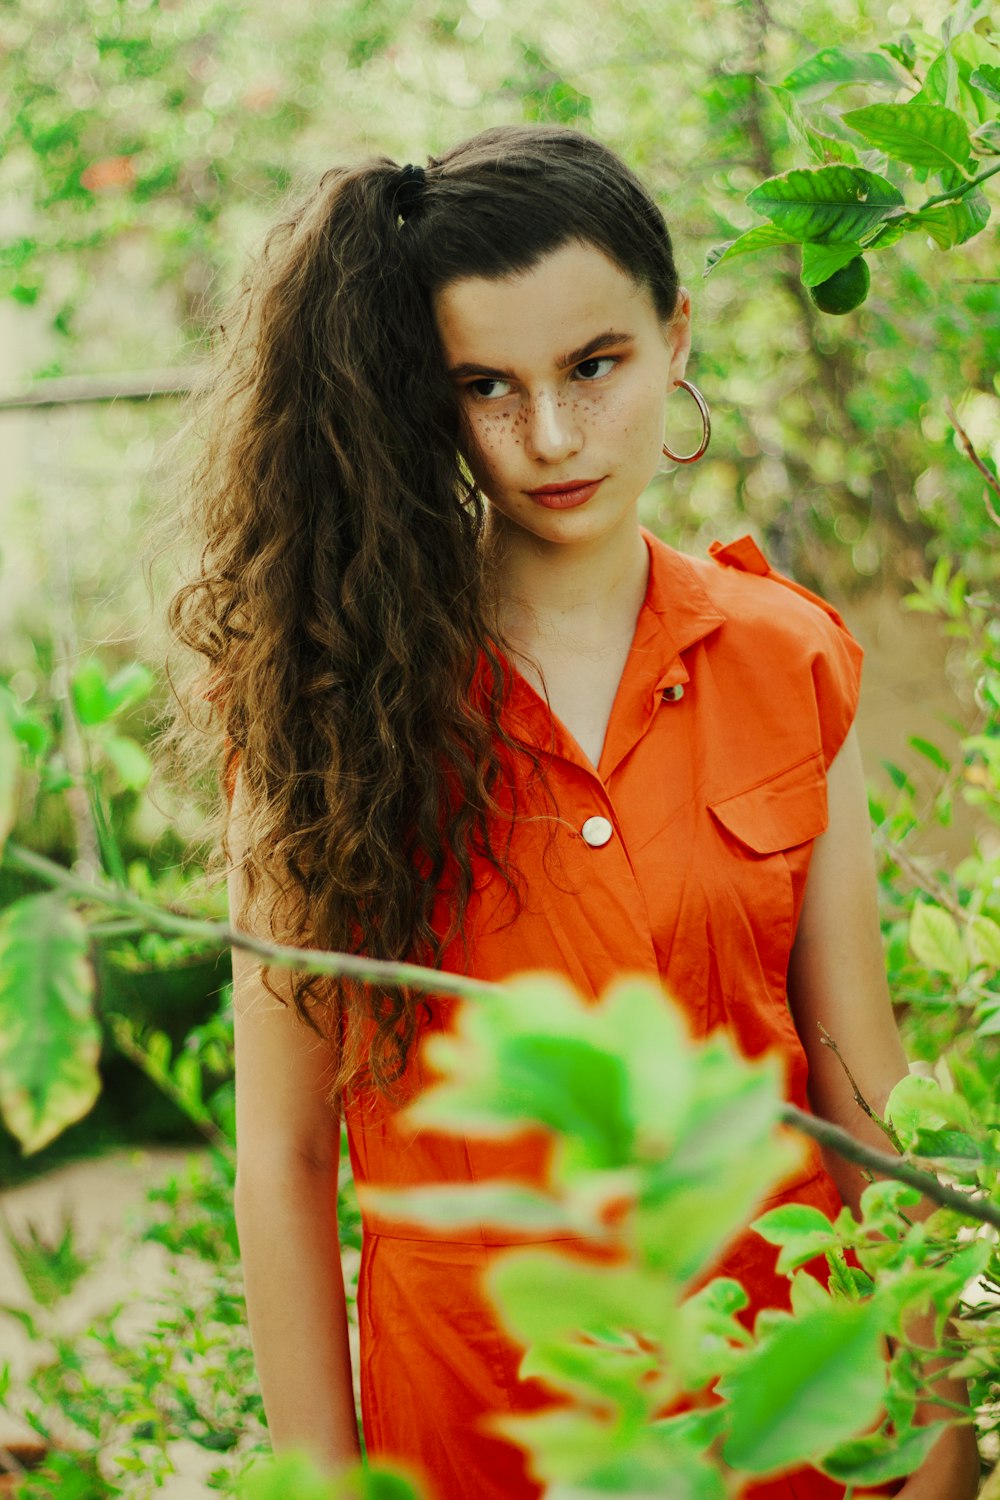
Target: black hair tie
(410,186)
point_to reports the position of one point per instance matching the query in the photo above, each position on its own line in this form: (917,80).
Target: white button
(673,694)
(596,831)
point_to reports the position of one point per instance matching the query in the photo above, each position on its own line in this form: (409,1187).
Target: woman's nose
(553,429)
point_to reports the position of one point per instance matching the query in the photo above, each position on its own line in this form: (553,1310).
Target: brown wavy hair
(341,609)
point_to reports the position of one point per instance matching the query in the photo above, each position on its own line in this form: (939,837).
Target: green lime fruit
(845,290)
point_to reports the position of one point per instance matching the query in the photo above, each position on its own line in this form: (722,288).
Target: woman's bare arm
(837,981)
(836,978)
(288,1149)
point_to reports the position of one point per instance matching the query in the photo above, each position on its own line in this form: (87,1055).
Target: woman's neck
(556,594)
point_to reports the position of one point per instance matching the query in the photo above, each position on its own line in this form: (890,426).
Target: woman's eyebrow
(574,357)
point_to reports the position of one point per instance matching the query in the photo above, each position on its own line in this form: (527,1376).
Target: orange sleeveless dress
(738,690)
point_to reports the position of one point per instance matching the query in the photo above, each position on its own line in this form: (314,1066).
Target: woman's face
(562,373)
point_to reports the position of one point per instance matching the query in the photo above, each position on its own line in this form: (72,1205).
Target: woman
(478,717)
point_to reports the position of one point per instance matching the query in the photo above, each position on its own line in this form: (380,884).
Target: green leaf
(567,1443)
(807,1293)
(543,1295)
(986,138)
(49,1039)
(820,146)
(725,1161)
(874,1459)
(592,1371)
(937,942)
(956,1146)
(904,51)
(931,752)
(820,261)
(573,1087)
(510,1205)
(129,685)
(761,237)
(96,700)
(923,135)
(657,1058)
(295,1474)
(836,205)
(990,1024)
(699,1427)
(581,1456)
(984,936)
(22,1316)
(709,1333)
(898,777)
(814,1382)
(803,1232)
(10,767)
(882,1202)
(51,1267)
(921,1103)
(89,690)
(986,78)
(834,66)
(950,224)
(790,1222)
(948,80)
(130,761)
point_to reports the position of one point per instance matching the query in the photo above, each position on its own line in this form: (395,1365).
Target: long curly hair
(341,611)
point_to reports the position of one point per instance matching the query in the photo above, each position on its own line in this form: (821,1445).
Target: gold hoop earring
(706,425)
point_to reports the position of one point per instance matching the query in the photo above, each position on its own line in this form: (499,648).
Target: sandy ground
(104,1197)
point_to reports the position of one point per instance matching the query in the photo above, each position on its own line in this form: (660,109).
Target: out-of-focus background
(146,149)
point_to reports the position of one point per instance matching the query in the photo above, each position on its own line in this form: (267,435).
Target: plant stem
(416,976)
(281,955)
(851,1149)
(959,192)
(973,456)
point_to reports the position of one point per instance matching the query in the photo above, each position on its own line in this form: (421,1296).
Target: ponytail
(340,607)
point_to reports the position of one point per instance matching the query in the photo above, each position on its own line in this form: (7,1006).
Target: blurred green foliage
(151,143)
(149,146)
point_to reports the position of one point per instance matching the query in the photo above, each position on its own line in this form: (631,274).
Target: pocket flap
(779,813)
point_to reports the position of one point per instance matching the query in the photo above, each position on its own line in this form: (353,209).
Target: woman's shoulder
(774,642)
(754,602)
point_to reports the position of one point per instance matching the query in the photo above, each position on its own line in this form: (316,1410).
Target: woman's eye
(596,368)
(489,389)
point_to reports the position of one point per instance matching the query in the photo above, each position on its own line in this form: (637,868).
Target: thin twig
(959,192)
(859,1097)
(416,976)
(76,390)
(221,935)
(897,1167)
(991,479)
(921,879)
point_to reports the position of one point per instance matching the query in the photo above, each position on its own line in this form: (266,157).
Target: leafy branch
(843,206)
(343,965)
(222,935)
(846,1145)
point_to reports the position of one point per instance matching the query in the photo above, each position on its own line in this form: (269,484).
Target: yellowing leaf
(10,764)
(49,1039)
(984,939)
(937,942)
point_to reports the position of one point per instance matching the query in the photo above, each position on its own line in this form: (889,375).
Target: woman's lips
(565,498)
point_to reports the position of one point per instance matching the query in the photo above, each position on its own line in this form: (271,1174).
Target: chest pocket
(762,848)
(781,812)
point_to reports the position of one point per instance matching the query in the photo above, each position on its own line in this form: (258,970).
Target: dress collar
(677,612)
